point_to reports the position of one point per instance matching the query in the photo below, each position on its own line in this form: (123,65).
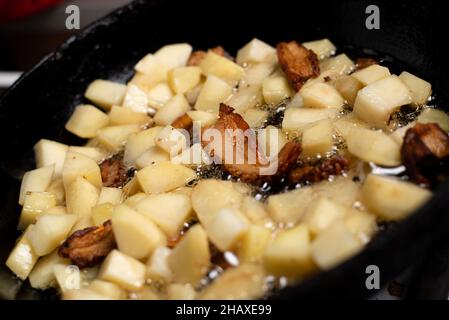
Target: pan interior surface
(40,103)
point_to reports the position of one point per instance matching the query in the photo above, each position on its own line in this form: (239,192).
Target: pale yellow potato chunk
(49,152)
(334,245)
(420,89)
(164,176)
(213,92)
(123,270)
(321,95)
(183,79)
(253,244)
(317,139)
(77,165)
(221,67)
(172,110)
(105,93)
(34,205)
(321,213)
(86,120)
(37,180)
(81,196)
(190,259)
(371,74)
(136,235)
(276,89)
(323,48)
(289,254)
(392,199)
(22,258)
(121,115)
(255,51)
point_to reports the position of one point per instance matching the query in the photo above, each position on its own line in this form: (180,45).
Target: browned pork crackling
(425,146)
(88,247)
(251,172)
(299,63)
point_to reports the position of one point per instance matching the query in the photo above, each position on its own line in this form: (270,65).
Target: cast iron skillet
(38,105)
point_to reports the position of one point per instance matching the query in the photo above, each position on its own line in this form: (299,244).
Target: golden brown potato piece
(299,63)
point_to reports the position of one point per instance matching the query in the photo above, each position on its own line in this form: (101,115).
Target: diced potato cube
(361,224)
(136,235)
(145,82)
(204,118)
(102,213)
(95,154)
(192,94)
(271,140)
(106,93)
(49,152)
(348,87)
(49,231)
(81,196)
(321,213)
(22,258)
(430,115)
(164,176)
(190,259)
(159,95)
(321,95)
(221,67)
(300,118)
(253,244)
(296,102)
(107,289)
(227,228)
(82,223)
(289,254)
(114,137)
(289,207)
(345,124)
(377,101)
(123,270)
(375,146)
(157,265)
(171,140)
(86,120)
(255,117)
(111,195)
(56,188)
(67,277)
(42,276)
(371,74)
(245,98)
(151,156)
(276,89)
(172,110)
(243,282)
(77,165)
(174,55)
(255,51)
(132,187)
(195,155)
(338,65)
(317,139)
(138,143)
(136,99)
(255,211)
(83,294)
(153,67)
(183,79)
(420,89)
(399,134)
(341,189)
(334,245)
(214,91)
(169,211)
(255,74)
(133,200)
(392,199)
(57,210)
(323,48)
(121,115)
(176,291)
(34,205)
(36,180)
(209,196)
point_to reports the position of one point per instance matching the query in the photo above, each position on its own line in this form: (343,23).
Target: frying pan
(39,103)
